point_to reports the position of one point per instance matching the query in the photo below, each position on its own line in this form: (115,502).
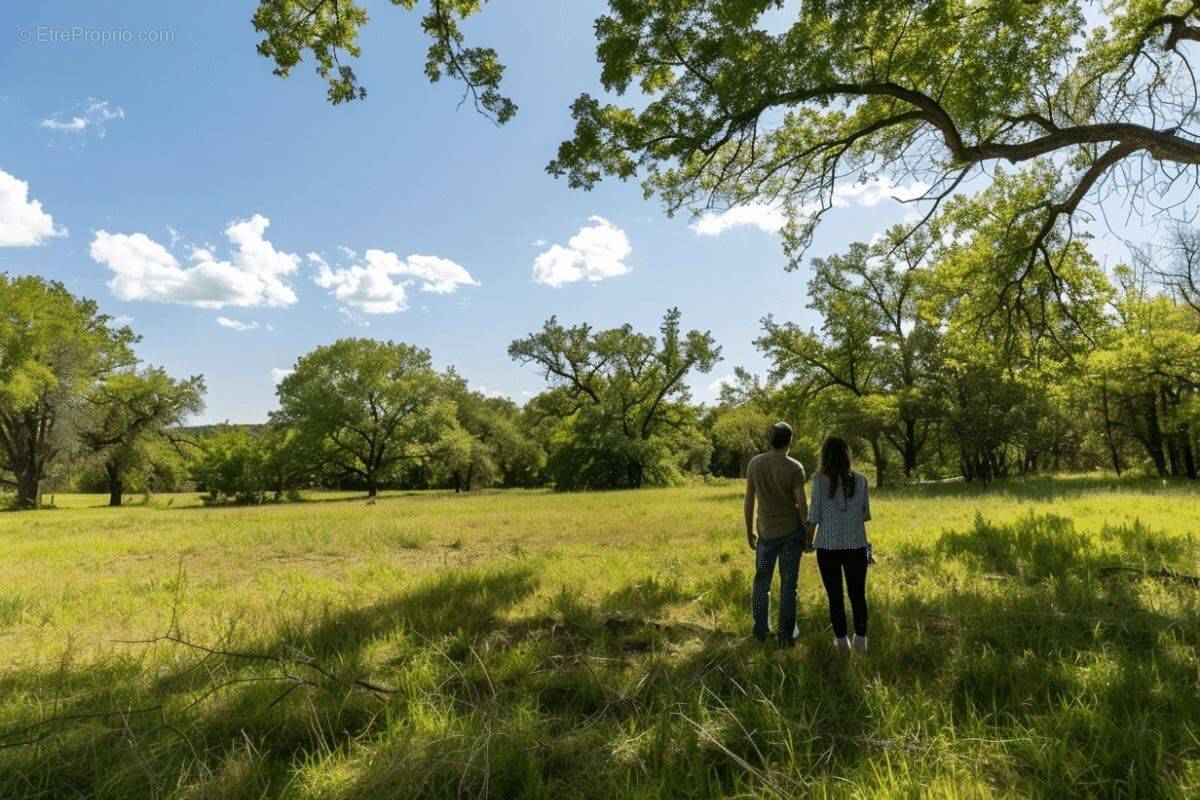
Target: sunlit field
(530,644)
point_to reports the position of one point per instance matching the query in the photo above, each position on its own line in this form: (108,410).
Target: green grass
(526,644)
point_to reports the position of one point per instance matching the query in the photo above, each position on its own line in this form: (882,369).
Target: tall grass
(536,645)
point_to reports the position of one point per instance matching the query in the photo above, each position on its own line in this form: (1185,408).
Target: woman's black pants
(853,564)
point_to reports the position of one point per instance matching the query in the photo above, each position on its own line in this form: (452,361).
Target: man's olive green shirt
(778,484)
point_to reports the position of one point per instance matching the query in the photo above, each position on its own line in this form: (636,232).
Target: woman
(839,509)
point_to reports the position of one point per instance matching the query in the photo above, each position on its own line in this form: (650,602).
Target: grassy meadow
(533,645)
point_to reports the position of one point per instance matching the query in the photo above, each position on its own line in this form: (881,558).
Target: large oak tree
(620,391)
(762,101)
(375,405)
(54,349)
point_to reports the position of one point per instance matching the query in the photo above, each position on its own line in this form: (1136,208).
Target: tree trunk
(29,491)
(1108,431)
(1189,457)
(880,462)
(1154,437)
(910,448)
(116,487)
(636,475)
(372,489)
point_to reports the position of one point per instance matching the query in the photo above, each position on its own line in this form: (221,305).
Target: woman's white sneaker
(860,643)
(843,645)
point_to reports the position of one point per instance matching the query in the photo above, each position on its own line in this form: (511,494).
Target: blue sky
(147,157)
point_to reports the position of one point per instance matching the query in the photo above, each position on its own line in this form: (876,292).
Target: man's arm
(751,538)
(802,507)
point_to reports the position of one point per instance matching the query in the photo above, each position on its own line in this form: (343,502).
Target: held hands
(810,533)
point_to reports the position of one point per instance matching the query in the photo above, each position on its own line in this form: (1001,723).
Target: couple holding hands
(787,525)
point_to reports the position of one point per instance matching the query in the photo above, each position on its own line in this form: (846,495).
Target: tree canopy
(624,392)
(54,348)
(374,404)
(740,102)
(131,409)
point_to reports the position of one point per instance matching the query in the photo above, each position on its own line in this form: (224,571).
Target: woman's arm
(866,506)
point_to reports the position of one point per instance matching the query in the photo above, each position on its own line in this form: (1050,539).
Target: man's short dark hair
(781,435)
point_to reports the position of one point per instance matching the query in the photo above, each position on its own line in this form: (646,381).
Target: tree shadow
(655,688)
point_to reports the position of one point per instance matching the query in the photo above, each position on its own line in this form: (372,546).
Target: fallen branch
(288,669)
(281,661)
(1161,574)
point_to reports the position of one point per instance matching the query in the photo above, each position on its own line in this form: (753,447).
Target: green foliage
(489,445)
(54,348)
(231,468)
(372,406)
(131,411)
(738,433)
(749,101)
(328,31)
(618,399)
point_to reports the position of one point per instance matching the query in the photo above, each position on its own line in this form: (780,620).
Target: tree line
(930,371)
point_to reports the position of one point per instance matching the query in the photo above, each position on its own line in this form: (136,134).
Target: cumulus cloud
(234,325)
(596,252)
(253,276)
(23,223)
(377,284)
(770,217)
(90,116)
(764,216)
(277,374)
(720,383)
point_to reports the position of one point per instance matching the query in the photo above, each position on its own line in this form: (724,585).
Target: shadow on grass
(1013,663)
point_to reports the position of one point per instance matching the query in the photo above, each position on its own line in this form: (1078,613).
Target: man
(776,481)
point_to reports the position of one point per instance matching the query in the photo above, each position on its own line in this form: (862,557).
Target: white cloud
(377,284)
(23,223)
(764,216)
(254,276)
(770,217)
(720,383)
(93,115)
(539,243)
(121,321)
(234,325)
(486,392)
(277,374)
(597,252)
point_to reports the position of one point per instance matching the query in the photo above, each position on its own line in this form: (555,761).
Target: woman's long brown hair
(835,465)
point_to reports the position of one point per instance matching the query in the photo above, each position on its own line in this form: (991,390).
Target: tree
(735,107)
(328,31)
(230,467)
(288,460)
(619,394)
(54,349)
(375,405)
(131,409)
(733,111)
(1152,359)
(738,433)
(489,445)
(879,346)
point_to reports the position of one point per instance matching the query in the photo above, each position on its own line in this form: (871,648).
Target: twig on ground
(1161,574)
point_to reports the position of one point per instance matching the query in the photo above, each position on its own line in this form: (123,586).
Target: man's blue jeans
(786,550)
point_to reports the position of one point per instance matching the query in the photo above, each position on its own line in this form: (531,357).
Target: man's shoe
(842,644)
(860,643)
